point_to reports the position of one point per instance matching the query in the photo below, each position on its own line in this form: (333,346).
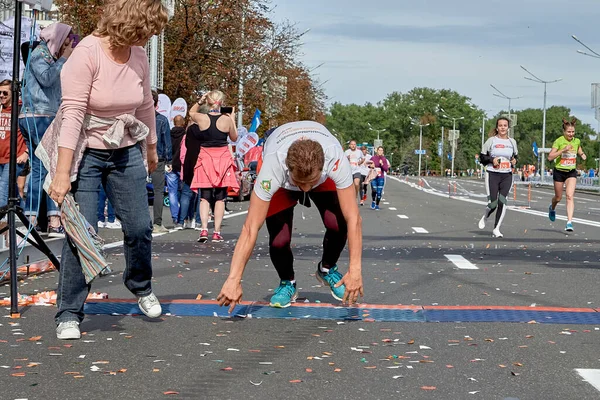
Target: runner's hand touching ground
(231,294)
(354,287)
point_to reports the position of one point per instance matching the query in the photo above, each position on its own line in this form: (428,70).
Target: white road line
(591,376)
(109,246)
(402,216)
(460,261)
(418,229)
(392,209)
(524,211)
(386,203)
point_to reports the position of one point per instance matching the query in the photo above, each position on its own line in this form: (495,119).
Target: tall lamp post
(378,132)
(593,55)
(454,138)
(538,80)
(503,96)
(420,142)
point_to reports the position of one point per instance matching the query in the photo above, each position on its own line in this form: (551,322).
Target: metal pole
(442,156)
(453,146)
(509,121)
(12,168)
(420,146)
(544,137)
(482,132)
(240,116)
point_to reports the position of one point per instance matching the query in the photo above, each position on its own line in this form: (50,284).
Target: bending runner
(498,155)
(564,154)
(302,162)
(356,158)
(364,172)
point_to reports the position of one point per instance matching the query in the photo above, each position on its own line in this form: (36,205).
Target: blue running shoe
(377,208)
(331,279)
(372,205)
(569,227)
(284,295)
(551,213)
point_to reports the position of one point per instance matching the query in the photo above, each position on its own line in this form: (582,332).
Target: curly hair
(127,22)
(304,158)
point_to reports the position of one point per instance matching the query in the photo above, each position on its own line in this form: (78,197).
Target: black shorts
(356,175)
(562,176)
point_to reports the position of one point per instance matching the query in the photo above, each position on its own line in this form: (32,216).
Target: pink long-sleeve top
(92,83)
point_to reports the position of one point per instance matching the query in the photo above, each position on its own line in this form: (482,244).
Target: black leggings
(280,234)
(497,186)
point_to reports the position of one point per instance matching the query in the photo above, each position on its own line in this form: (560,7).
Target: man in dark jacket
(173,175)
(163,148)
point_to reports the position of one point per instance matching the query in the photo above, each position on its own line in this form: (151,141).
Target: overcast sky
(372,48)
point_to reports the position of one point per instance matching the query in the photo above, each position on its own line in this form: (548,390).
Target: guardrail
(583,183)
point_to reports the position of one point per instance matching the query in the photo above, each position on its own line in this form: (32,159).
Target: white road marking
(512,208)
(460,261)
(402,216)
(591,376)
(418,229)
(392,208)
(386,203)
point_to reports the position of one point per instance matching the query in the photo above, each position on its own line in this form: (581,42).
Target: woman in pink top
(107,76)
(208,166)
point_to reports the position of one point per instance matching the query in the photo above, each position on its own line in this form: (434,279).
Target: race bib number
(504,165)
(568,159)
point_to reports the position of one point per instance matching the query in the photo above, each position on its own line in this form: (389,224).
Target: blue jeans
(101,204)
(122,174)
(35,189)
(4,169)
(173,182)
(190,203)
(377,185)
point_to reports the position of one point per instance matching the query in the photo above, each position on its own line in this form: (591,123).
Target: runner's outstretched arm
(353,278)
(231,292)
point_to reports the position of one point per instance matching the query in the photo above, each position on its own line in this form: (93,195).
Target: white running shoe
(113,225)
(68,330)
(187,224)
(150,306)
(193,224)
(496,233)
(482,222)
(101,224)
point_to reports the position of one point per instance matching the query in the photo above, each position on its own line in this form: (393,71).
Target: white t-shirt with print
(502,148)
(274,173)
(354,156)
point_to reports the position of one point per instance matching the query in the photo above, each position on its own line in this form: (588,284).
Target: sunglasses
(4,93)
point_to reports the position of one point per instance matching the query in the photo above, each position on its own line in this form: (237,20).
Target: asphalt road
(535,265)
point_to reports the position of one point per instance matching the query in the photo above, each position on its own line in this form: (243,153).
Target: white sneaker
(150,305)
(159,229)
(113,225)
(193,224)
(187,224)
(68,330)
(496,233)
(482,222)
(101,224)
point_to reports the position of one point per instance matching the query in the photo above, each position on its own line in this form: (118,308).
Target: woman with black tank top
(208,166)
(498,157)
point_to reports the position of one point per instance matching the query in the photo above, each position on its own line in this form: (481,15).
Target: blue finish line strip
(366,314)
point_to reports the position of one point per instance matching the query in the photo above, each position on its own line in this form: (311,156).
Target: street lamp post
(453,139)
(538,80)
(420,143)
(503,96)
(593,55)
(391,161)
